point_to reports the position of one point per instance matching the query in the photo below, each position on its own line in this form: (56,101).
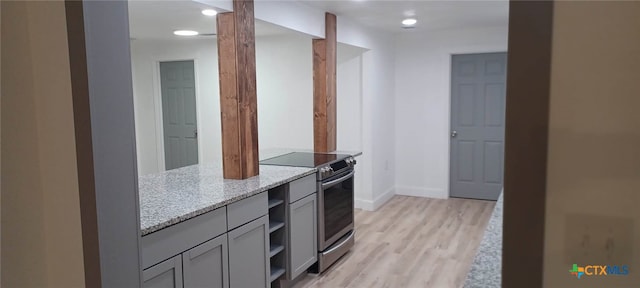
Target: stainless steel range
(335,201)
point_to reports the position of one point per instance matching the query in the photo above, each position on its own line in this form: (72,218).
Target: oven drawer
(302,187)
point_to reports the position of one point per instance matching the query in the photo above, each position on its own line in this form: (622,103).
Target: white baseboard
(369,205)
(362,204)
(422,192)
(384,198)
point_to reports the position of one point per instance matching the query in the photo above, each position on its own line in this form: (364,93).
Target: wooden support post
(324,88)
(238,101)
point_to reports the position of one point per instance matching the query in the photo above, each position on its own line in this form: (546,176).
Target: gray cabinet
(174,240)
(249,254)
(303,240)
(166,274)
(202,252)
(245,210)
(302,187)
(206,265)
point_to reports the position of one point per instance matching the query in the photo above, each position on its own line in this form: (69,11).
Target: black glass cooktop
(303,159)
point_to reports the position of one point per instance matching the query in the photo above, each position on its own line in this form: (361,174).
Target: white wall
(284,74)
(423,69)
(349,106)
(284,71)
(284,87)
(379,123)
(146,55)
(349,98)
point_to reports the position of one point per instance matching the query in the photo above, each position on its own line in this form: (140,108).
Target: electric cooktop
(304,159)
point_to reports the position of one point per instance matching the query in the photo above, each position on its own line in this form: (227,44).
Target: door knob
(454,133)
(195,133)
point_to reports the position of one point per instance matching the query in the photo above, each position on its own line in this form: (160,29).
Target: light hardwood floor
(410,242)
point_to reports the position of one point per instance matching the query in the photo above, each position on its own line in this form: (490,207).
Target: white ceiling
(158,20)
(431,15)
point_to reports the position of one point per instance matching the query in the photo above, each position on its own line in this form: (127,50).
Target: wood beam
(324,88)
(319,95)
(238,100)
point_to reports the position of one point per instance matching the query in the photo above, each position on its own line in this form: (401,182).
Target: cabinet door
(167,274)
(206,265)
(249,254)
(303,240)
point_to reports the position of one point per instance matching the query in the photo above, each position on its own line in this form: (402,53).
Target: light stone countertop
(177,195)
(486,269)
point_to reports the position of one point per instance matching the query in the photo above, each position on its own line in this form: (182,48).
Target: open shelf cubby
(275,249)
(275,202)
(277,216)
(274,225)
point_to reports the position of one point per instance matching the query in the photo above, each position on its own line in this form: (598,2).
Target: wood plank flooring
(410,242)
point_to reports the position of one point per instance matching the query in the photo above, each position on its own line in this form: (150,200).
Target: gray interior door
(478,86)
(179,114)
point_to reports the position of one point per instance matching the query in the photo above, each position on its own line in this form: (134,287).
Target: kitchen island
(177,195)
(199,229)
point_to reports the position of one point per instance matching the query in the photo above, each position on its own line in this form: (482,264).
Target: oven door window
(338,207)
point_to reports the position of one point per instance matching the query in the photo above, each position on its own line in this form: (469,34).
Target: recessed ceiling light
(409,22)
(209,12)
(185,33)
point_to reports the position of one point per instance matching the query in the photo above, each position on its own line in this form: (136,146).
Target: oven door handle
(345,240)
(334,182)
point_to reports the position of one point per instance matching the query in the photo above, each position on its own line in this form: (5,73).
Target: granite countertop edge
(173,221)
(486,268)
